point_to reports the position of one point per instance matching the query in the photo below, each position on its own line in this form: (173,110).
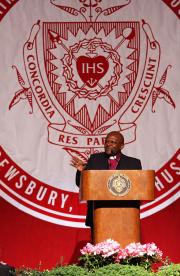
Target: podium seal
(119,184)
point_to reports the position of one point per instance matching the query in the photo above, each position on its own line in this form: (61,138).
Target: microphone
(113,152)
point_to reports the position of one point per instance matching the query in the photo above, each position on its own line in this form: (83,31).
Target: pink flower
(88,249)
(106,248)
(151,249)
(122,254)
(135,250)
(110,247)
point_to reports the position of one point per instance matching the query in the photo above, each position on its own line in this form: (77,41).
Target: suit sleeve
(89,166)
(78,177)
(139,166)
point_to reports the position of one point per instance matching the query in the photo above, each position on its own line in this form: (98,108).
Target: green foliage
(170,270)
(107,270)
(28,272)
(92,262)
(144,261)
(123,270)
(70,270)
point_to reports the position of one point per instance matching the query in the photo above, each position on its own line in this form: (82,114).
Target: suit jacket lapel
(121,162)
(105,165)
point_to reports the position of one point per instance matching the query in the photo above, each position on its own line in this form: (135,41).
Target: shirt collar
(115,157)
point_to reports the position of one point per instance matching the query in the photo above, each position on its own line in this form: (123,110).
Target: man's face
(113,144)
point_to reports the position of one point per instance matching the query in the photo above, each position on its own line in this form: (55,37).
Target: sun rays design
(123,40)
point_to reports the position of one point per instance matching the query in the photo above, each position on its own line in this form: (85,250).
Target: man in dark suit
(112,158)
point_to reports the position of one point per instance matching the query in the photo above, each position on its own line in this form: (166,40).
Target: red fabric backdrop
(30,241)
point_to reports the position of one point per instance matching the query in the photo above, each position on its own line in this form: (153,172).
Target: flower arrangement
(110,251)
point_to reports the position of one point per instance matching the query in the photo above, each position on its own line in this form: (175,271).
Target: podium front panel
(120,224)
(96,185)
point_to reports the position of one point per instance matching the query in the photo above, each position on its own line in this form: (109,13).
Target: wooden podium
(116,195)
